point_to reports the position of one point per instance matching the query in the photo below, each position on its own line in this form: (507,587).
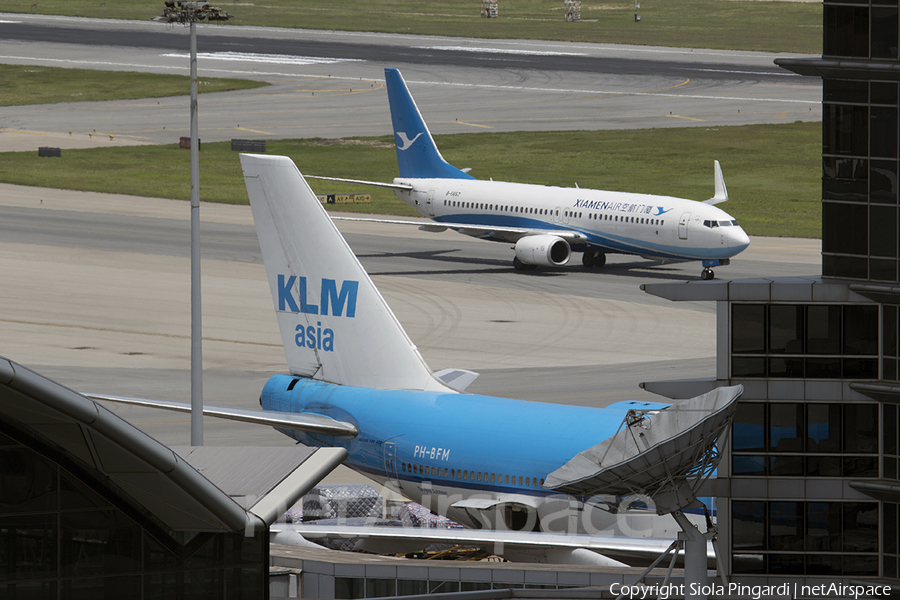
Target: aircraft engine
(543,250)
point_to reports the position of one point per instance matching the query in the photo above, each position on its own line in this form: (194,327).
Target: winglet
(721,190)
(417,154)
(335,325)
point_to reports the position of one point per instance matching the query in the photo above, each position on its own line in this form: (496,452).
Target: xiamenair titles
(546,224)
(334,301)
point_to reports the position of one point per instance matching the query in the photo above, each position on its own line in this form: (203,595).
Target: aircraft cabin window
(507,479)
(528,481)
(520,480)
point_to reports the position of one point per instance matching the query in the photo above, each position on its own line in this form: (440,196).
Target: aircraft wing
(392,186)
(303,421)
(620,550)
(510,234)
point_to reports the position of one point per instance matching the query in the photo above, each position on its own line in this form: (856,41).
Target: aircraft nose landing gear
(707,273)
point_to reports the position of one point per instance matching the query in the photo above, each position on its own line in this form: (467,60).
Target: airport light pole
(190,13)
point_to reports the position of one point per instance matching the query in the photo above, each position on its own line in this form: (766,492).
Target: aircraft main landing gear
(592,259)
(707,274)
(520,266)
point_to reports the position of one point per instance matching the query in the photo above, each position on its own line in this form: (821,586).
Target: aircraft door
(429,203)
(557,212)
(683,226)
(390,464)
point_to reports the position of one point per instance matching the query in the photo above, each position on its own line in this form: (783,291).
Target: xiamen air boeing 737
(356,381)
(546,224)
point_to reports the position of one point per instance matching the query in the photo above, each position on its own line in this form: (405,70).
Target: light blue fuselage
(449,439)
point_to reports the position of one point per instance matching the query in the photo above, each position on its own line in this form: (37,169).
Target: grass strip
(29,84)
(773,172)
(724,24)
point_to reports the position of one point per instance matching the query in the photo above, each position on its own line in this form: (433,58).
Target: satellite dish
(663,454)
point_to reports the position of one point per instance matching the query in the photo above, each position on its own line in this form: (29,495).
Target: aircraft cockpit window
(724,223)
(711,224)
(734,223)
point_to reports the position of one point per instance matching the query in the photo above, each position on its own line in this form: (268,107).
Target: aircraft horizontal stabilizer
(301,421)
(458,379)
(721,191)
(392,186)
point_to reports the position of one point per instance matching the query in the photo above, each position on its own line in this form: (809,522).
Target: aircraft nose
(738,238)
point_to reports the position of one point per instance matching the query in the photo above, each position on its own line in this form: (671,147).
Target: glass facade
(812,439)
(61,539)
(859,179)
(860,145)
(816,341)
(835,539)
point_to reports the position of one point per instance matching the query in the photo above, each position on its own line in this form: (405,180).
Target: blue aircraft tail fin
(417,154)
(335,325)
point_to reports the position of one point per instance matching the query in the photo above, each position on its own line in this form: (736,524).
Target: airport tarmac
(96,295)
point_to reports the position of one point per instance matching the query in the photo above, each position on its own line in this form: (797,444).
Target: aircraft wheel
(592,259)
(519,265)
(707,274)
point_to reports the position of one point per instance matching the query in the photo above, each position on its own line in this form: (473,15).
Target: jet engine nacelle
(543,250)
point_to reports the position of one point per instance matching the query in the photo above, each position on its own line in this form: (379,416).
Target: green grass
(26,84)
(724,24)
(772,171)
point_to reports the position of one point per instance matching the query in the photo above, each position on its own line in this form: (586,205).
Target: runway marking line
(681,117)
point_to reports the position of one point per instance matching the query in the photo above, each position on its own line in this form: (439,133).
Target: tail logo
(329,297)
(406,141)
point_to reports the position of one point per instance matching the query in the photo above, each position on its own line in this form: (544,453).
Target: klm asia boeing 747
(546,224)
(356,381)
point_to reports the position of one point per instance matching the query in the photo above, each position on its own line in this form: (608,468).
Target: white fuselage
(618,222)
